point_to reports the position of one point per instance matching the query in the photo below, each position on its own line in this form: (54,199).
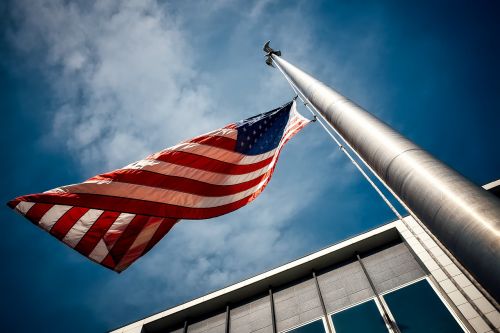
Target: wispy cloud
(126,80)
(123,76)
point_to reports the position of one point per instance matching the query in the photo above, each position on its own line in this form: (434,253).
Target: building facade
(395,278)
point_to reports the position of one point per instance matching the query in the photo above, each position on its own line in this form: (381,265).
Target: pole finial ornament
(269,52)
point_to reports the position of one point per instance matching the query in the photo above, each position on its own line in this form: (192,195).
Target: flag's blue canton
(262,133)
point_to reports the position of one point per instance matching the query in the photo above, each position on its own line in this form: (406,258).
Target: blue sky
(88,87)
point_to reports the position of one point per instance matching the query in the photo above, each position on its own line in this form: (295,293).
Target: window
(416,308)
(361,318)
(314,327)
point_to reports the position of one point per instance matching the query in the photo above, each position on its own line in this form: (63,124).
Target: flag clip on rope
(117,217)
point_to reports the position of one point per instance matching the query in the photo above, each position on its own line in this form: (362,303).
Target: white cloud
(124,74)
(126,77)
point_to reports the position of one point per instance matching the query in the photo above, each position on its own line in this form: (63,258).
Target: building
(396,277)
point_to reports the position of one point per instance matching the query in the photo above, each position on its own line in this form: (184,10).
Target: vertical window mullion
(322,302)
(273,313)
(228,318)
(387,318)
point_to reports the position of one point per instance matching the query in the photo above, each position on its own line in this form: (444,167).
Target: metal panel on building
(212,324)
(409,281)
(297,304)
(344,286)
(252,317)
(392,267)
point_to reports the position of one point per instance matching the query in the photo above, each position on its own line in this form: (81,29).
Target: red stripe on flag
(13,203)
(210,164)
(109,262)
(162,230)
(141,241)
(64,224)
(216,141)
(142,207)
(134,206)
(181,184)
(37,211)
(127,237)
(96,232)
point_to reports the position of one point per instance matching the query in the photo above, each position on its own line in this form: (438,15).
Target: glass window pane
(314,327)
(417,308)
(360,318)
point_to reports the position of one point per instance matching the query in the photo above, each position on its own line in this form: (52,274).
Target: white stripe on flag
(140,242)
(225,132)
(52,216)
(166,196)
(209,177)
(102,248)
(155,194)
(24,206)
(81,227)
(220,154)
(99,252)
(169,169)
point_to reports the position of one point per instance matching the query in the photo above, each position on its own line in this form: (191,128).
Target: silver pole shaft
(342,148)
(463,216)
(391,206)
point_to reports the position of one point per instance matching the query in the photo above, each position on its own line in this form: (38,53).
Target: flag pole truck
(464,217)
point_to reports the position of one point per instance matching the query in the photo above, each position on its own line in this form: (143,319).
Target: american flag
(117,217)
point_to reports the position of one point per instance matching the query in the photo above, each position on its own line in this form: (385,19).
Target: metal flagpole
(329,130)
(342,148)
(463,216)
(391,206)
